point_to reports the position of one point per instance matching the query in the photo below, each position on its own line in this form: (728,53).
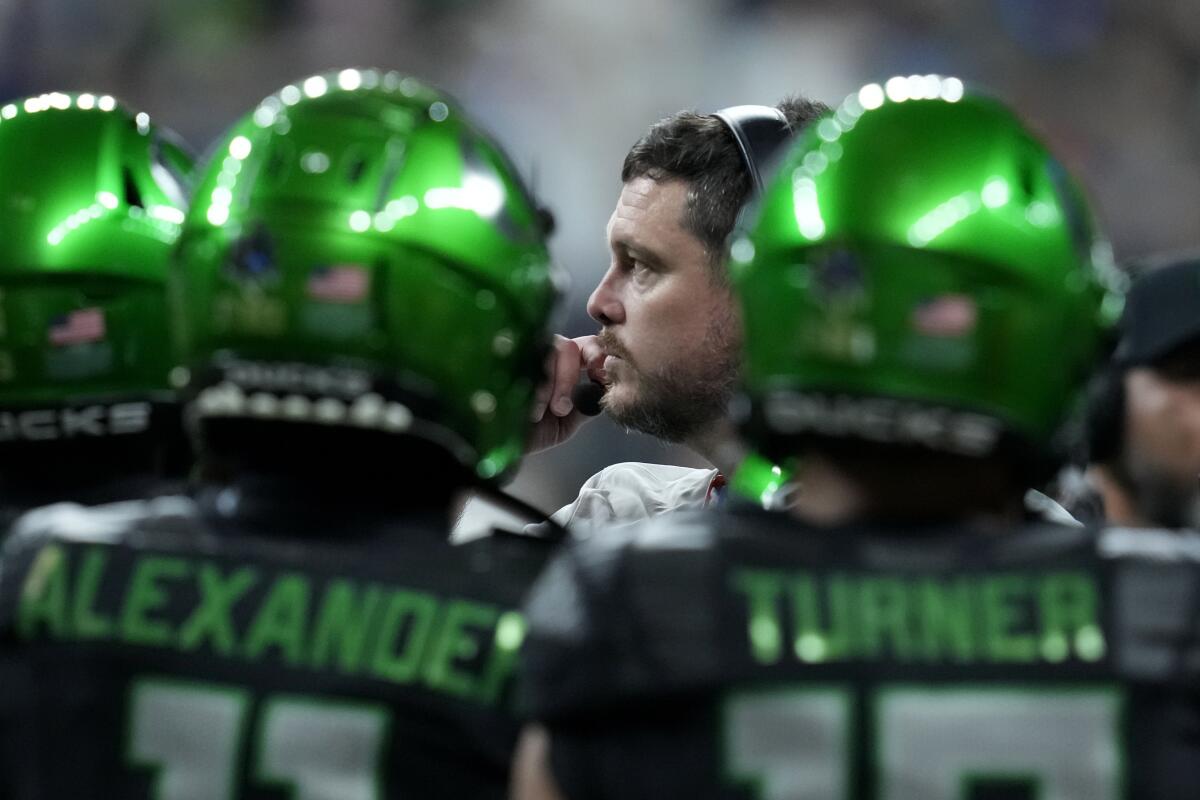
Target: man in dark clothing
(1143,418)
(360,300)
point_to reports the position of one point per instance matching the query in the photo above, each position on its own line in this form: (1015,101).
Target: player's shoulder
(652,567)
(44,535)
(507,552)
(618,609)
(113,523)
(1150,545)
(751,535)
(596,553)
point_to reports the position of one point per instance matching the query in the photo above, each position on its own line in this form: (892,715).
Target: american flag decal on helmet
(339,283)
(77,327)
(945,315)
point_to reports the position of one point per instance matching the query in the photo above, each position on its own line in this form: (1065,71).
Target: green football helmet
(360,254)
(92,199)
(921,272)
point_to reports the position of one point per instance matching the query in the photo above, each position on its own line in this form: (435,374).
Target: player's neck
(845,490)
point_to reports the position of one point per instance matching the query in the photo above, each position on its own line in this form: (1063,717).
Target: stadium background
(568,85)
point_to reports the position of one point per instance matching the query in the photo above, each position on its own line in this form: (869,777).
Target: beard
(685,397)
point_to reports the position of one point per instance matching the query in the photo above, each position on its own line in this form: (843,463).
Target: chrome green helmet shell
(357,226)
(922,271)
(92,199)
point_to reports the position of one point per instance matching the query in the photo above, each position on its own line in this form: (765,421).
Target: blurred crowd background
(569,85)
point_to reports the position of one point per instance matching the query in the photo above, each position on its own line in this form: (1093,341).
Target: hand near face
(555,416)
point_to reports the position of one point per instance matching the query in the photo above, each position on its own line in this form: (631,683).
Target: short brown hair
(700,150)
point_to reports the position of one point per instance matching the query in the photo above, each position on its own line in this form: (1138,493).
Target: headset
(759,131)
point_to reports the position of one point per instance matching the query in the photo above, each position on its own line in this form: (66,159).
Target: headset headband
(759,131)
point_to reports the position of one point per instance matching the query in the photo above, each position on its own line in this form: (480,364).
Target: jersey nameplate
(356,628)
(94,421)
(997,618)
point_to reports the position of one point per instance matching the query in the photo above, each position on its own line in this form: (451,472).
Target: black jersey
(153,650)
(743,656)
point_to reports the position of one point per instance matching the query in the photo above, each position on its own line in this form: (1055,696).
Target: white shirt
(633,491)
(616,495)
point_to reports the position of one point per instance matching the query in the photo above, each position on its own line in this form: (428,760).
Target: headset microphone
(586,397)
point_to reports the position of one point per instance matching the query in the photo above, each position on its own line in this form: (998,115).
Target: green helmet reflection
(92,199)
(922,271)
(357,221)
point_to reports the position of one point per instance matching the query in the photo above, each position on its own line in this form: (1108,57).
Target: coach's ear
(531,776)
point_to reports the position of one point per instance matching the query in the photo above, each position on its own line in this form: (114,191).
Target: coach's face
(669,328)
(1162,444)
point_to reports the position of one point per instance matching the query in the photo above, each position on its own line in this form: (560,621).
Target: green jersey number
(931,744)
(193,735)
